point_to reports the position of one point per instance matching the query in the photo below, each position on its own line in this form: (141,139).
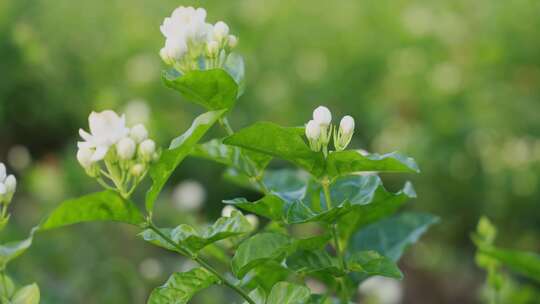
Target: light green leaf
(234,65)
(522,262)
(309,261)
(28,294)
(12,250)
(391,236)
(319,299)
(213,89)
(370,263)
(179,149)
(350,161)
(288,293)
(258,295)
(277,141)
(265,276)
(8,288)
(195,239)
(100,206)
(259,249)
(182,286)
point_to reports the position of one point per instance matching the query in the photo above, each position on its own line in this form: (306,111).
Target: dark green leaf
(259,249)
(350,161)
(391,236)
(265,276)
(309,261)
(100,206)
(285,180)
(288,293)
(194,239)
(213,89)
(179,149)
(14,249)
(277,141)
(371,263)
(182,286)
(522,262)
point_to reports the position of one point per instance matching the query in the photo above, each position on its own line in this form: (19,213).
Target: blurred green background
(455,84)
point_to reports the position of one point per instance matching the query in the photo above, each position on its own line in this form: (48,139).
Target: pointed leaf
(350,161)
(288,293)
(213,89)
(522,262)
(259,249)
(390,237)
(309,261)
(12,250)
(371,263)
(100,206)
(182,286)
(179,149)
(28,294)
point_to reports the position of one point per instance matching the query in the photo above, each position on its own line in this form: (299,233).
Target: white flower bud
(147,149)
(212,48)
(313,130)
(347,125)
(126,148)
(84,156)
(3,191)
(221,30)
(322,116)
(227,211)
(137,170)
(138,133)
(10,184)
(2,172)
(232,41)
(253,220)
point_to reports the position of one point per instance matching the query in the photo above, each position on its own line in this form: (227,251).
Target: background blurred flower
(189,195)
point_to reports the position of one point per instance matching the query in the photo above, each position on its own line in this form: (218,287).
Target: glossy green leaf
(391,236)
(265,276)
(277,141)
(288,293)
(213,89)
(182,286)
(195,239)
(258,295)
(28,294)
(285,180)
(259,249)
(12,250)
(100,206)
(271,206)
(309,261)
(179,149)
(522,262)
(350,161)
(372,263)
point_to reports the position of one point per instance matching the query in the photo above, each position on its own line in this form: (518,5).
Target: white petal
(100,153)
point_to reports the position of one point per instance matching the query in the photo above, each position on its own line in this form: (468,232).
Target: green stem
(203,264)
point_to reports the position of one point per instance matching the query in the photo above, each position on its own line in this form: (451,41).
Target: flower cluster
(190,41)
(8,185)
(319,131)
(113,151)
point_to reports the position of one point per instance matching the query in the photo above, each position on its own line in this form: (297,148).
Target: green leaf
(234,65)
(285,180)
(371,263)
(12,250)
(265,276)
(391,236)
(194,239)
(258,295)
(182,286)
(8,288)
(309,261)
(319,299)
(179,149)
(213,89)
(270,206)
(259,249)
(350,161)
(288,293)
(277,141)
(246,161)
(28,294)
(522,262)
(100,206)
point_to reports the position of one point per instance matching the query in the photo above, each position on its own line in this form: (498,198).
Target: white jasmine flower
(126,148)
(322,116)
(106,129)
(253,220)
(313,130)
(84,156)
(189,195)
(227,211)
(385,290)
(138,133)
(220,30)
(186,23)
(347,125)
(232,41)
(174,49)
(2,172)
(10,184)
(3,191)
(212,48)
(147,149)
